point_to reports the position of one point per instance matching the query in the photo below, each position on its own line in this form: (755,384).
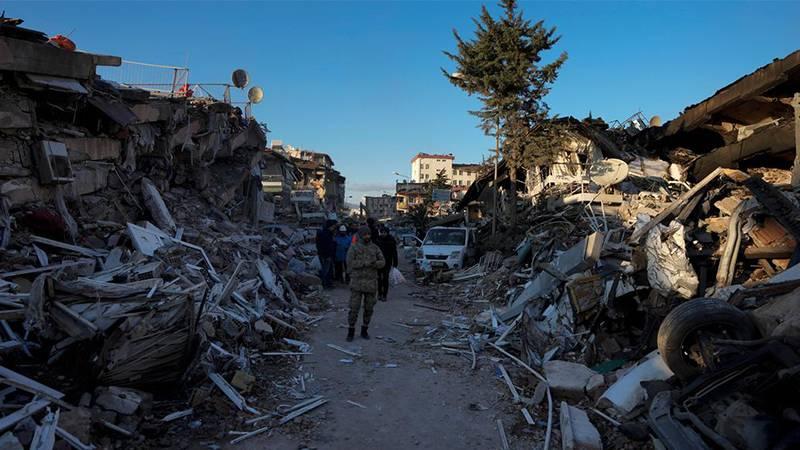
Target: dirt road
(430,400)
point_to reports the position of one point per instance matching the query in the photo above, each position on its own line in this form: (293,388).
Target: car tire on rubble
(679,331)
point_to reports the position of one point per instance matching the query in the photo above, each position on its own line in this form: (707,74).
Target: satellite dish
(240,78)
(255,94)
(608,172)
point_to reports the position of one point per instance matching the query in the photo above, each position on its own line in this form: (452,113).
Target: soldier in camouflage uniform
(364,259)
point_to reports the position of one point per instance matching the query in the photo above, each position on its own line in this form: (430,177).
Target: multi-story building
(424,166)
(408,195)
(278,175)
(383,207)
(319,175)
(464,174)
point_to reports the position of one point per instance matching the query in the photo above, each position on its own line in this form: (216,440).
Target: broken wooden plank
(269,279)
(503,437)
(773,252)
(229,391)
(71,322)
(356,404)
(543,380)
(113,427)
(527,415)
(231,285)
(45,269)
(20,414)
(69,247)
(73,441)
(509,383)
(299,412)
(28,384)
(177,415)
(101,289)
(344,350)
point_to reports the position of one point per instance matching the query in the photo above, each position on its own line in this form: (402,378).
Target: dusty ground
(431,400)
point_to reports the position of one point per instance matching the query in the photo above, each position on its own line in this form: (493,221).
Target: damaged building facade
(134,250)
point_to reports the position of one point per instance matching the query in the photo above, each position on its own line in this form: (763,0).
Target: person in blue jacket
(343,240)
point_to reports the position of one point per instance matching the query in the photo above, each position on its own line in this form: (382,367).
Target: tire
(677,331)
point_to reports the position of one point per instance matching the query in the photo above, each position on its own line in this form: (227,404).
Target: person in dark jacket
(326,251)
(388,245)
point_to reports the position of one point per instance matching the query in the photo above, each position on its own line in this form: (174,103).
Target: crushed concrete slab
(577,431)
(567,379)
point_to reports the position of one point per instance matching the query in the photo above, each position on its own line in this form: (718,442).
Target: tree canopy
(503,66)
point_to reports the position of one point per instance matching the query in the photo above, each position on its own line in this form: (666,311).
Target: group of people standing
(364,260)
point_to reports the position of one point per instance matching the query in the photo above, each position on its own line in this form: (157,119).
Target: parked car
(446,248)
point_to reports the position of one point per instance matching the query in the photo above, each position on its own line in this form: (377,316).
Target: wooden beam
(768,252)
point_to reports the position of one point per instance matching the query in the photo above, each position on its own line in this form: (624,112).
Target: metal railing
(152,77)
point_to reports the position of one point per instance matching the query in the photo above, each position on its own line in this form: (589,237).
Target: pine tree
(441,181)
(502,65)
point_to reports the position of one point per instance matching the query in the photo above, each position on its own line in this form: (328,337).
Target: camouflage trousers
(355,306)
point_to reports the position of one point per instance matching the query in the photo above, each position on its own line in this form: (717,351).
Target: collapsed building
(654,282)
(133,251)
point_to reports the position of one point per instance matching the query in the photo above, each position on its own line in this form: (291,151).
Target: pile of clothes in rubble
(133,255)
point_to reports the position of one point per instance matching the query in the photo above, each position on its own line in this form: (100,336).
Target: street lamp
(401,175)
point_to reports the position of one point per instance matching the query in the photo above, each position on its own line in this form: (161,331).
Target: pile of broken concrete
(133,255)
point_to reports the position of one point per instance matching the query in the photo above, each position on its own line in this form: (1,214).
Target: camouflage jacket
(363,262)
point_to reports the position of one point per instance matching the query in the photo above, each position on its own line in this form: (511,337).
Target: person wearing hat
(342,245)
(364,259)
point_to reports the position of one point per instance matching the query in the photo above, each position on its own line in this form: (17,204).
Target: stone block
(567,379)
(577,431)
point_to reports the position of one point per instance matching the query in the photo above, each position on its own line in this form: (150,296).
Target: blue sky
(361,80)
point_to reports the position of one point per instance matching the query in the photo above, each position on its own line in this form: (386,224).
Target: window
(427,166)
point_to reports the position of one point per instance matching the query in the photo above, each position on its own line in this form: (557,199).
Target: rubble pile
(646,289)
(133,256)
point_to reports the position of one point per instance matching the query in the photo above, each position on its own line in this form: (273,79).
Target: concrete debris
(568,379)
(146,241)
(653,270)
(627,392)
(577,432)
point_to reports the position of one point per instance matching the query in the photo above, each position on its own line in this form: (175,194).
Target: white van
(446,248)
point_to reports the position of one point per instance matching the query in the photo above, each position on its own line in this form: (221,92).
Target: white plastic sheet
(668,268)
(396,277)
